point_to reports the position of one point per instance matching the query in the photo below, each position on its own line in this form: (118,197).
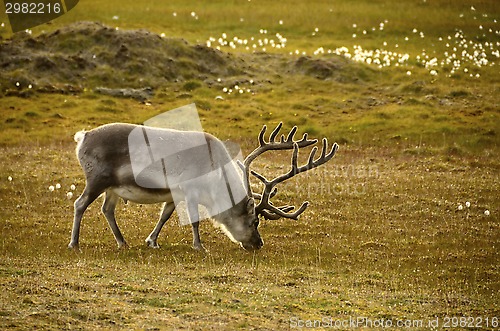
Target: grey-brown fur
(105,159)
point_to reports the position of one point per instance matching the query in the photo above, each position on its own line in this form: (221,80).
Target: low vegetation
(403,222)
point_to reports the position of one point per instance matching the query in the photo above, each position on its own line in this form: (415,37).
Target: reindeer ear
(241,165)
(251,206)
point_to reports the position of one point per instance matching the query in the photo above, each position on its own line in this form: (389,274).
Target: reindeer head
(246,233)
(240,224)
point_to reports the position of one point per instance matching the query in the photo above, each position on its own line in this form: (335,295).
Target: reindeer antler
(265,207)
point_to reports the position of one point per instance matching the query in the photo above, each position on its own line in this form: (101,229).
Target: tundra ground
(402,224)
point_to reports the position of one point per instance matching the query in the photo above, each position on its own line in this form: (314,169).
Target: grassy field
(403,223)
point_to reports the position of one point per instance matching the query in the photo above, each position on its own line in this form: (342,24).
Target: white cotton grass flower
(51,188)
(58,186)
(460,207)
(72,187)
(69,195)
(467,204)
(487,212)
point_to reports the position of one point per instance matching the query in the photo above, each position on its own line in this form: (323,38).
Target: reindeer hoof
(200,248)
(74,246)
(152,243)
(123,245)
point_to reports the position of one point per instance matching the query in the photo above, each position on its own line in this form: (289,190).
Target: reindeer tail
(79,136)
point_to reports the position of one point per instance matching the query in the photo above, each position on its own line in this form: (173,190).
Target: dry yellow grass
(384,237)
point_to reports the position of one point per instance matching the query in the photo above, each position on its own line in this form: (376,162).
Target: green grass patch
(383,237)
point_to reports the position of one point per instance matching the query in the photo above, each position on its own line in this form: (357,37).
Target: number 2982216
(32,8)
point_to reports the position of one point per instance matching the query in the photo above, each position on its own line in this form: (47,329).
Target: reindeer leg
(108,209)
(196,237)
(194,217)
(88,196)
(168,209)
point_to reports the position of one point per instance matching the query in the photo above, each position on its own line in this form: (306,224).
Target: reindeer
(119,168)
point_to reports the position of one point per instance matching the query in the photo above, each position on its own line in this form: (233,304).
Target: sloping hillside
(89,54)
